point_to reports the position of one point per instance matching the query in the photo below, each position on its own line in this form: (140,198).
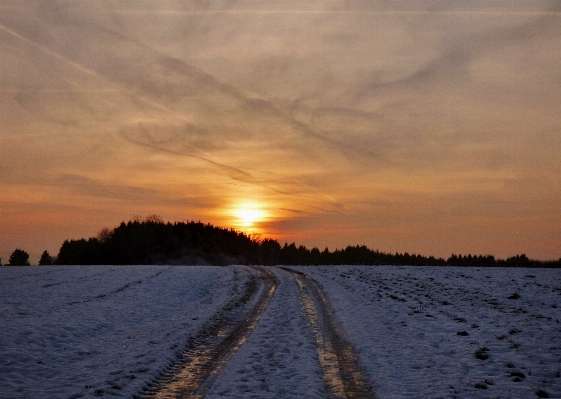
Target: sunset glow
(425,126)
(248,217)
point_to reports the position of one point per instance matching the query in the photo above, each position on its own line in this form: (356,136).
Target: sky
(424,126)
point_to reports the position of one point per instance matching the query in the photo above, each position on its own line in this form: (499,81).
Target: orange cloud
(402,127)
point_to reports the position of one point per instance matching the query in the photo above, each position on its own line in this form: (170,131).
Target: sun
(248,215)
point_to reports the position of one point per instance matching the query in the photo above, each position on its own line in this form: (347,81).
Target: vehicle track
(207,353)
(341,368)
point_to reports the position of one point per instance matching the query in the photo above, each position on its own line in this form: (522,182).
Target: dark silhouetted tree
(19,258)
(152,241)
(271,250)
(46,259)
(315,256)
(80,252)
(518,260)
(469,260)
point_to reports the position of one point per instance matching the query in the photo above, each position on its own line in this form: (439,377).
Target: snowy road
(195,373)
(409,332)
(341,369)
(209,351)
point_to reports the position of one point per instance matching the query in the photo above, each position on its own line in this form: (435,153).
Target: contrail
(373,12)
(86,70)
(234,173)
(49,51)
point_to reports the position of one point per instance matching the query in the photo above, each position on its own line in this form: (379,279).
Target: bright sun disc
(248,216)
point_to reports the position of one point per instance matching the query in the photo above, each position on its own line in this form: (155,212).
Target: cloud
(93,188)
(322,110)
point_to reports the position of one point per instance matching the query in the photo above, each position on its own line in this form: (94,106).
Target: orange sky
(405,126)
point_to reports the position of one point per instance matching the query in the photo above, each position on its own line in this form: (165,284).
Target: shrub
(19,258)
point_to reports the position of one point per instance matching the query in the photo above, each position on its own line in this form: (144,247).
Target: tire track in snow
(340,364)
(117,290)
(207,353)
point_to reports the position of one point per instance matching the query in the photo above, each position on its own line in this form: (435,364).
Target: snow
(71,332)
(279,360)
(404,322)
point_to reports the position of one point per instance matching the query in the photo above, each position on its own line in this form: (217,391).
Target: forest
(150,241)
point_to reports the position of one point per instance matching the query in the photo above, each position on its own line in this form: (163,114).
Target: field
(418,332)
(452,332)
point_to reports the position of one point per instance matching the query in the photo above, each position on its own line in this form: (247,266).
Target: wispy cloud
(339,116)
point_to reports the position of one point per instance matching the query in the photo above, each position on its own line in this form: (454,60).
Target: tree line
(151,241)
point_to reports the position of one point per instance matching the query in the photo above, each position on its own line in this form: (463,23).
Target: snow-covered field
(70,332)
(404,322)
